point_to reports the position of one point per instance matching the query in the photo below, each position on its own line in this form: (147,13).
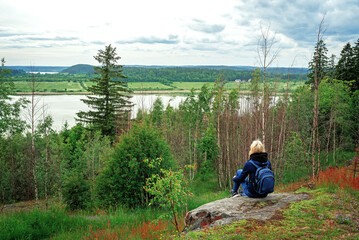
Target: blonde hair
(256,147)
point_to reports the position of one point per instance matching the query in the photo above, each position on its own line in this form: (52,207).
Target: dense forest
(207,137)
(82,72)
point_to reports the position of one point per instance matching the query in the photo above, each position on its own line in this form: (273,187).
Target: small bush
(338,177)
(76,192)
(123,178)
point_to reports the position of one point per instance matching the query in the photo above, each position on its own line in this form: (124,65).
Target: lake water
(63,108)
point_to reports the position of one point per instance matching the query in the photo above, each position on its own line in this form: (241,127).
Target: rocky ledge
(229,210)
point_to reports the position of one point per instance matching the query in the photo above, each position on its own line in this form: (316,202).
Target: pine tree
(108,102)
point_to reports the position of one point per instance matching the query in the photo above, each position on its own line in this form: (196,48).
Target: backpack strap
(251,161)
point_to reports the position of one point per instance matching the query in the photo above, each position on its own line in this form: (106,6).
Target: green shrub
(123,178)
(76,192)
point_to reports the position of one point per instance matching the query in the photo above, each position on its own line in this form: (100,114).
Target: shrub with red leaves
(338,177)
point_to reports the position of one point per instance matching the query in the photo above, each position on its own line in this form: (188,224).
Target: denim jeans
(244,185)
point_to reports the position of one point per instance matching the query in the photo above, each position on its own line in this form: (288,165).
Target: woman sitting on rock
(256,177)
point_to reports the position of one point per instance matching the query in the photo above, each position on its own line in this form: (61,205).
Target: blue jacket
(249,169)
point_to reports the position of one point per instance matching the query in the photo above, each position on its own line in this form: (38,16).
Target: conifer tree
(319,66)
(355,86)
(108,102)
(345,68)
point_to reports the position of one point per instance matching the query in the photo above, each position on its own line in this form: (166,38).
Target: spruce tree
(345,68)
(109,102)
(355,85)
(320,63)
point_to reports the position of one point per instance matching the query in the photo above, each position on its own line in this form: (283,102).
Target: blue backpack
(264,179)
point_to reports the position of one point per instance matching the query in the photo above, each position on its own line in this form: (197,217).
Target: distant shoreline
(134,92)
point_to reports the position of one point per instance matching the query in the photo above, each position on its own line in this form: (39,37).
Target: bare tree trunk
(318,144)
(47,155)
(329,132)
(334,142)
(190,153)
(228,149)
(266,58)
(195,144)
(59,167)
(33,119)
(315,138)
(220,158)
(315,122)
(272,135)
(282,134)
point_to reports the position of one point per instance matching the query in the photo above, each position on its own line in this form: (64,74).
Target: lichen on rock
(228,210)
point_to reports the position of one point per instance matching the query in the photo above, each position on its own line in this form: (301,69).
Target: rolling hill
(79,69)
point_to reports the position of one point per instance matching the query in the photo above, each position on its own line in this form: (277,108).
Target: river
(63,108)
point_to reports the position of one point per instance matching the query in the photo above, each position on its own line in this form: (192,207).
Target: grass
(189,85)
(38,224)
(121,223)
(49,87)
(148,86)
(77,87)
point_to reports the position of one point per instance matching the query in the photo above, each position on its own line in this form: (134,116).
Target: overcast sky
(170,32)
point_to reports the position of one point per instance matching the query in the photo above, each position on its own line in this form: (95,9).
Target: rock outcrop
(229,210)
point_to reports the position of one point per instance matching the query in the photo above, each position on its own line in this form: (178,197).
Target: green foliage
(208,151)
(122,179)
(294,155)
(300,111)
(347,67)
(334,109)
(319,64)
(74,142)
(14,168)
(354,112)
(157,112)
(169,188)
(108,101)
(10,122)
(76,192)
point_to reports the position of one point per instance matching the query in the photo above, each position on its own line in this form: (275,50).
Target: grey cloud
(9,32)
(14,46)
(98,43)
(201,26)
(172,39)
(205,48)
(299,20)
(6,34)
(51,38)
(18,46)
